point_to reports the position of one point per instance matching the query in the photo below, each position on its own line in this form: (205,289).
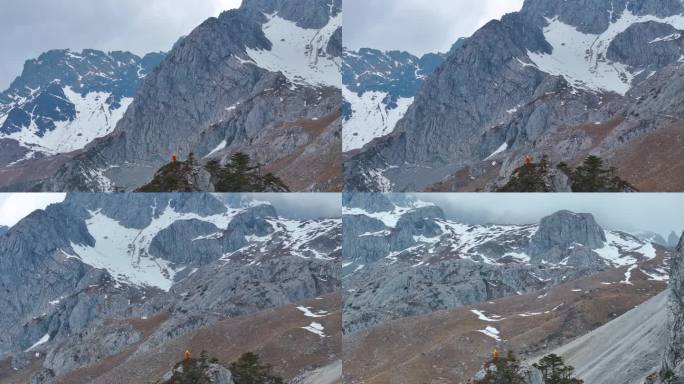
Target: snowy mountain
(263,80)
(378,87)
(561,78)
(449,264)
(76,272)
(64,100)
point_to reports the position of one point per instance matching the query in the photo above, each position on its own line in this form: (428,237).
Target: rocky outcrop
(561,231)
(222,90)
(511,101)
(404,258)
(673,239)
(673,364)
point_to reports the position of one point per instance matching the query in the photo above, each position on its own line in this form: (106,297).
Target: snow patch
(124,252)
(491,332)
(582,58)
(501,149)
(94,119)
(371,117)
(308,312)
(40,342)
(218,148)
(480,315)
(300,53)
(315,328)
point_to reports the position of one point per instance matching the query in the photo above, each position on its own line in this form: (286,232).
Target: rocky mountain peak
(564,229)
(262,74)
(307,14)
(594,16)
(64,99)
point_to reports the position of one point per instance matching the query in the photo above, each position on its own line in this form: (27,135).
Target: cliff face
(402,257)
(562,78)
(673,364)
(263,79)
(80,277)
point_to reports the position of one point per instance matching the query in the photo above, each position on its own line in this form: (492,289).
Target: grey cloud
(660,213)
(31,27)
(417,26)
(303,205)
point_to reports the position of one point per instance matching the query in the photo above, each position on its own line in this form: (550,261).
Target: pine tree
(555,371)
(249,370)
(503,370)
(590,176)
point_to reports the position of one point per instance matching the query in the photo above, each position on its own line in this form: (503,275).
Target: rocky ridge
(100,274)
(262,79)
(437,263)
(566,79)
(63,100)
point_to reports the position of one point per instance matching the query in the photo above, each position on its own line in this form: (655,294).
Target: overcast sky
(303,205)
(16,206)
(630,212)
(417,26)
(31,27)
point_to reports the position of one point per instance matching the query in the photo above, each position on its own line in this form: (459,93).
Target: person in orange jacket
(528,160)
(186,355)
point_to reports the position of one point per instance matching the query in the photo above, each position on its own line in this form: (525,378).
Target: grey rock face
(673,239)
(409,262)
(90,346)
(231,256)
(591,16)
(650,45)
(208,98)
(563,229)
(191,242)
(219,374)
(673,364)
(312,14)
(380,292)
(370,202)
(38,96)
(46,376)
(499,97)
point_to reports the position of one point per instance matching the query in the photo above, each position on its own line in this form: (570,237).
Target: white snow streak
(371,118)
(299,53)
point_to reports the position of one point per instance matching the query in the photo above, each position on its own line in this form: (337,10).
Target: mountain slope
(625,350)
(99,275)
(64,100)
(565,79)
(378,87)
(262,79)
(401,258)
(452,345)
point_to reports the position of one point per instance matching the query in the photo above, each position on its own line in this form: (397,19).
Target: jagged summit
(263,80)
(448,264)
(564,229)
(312,14)
(565,78)
(64,99)
(378,89)
(81,277)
